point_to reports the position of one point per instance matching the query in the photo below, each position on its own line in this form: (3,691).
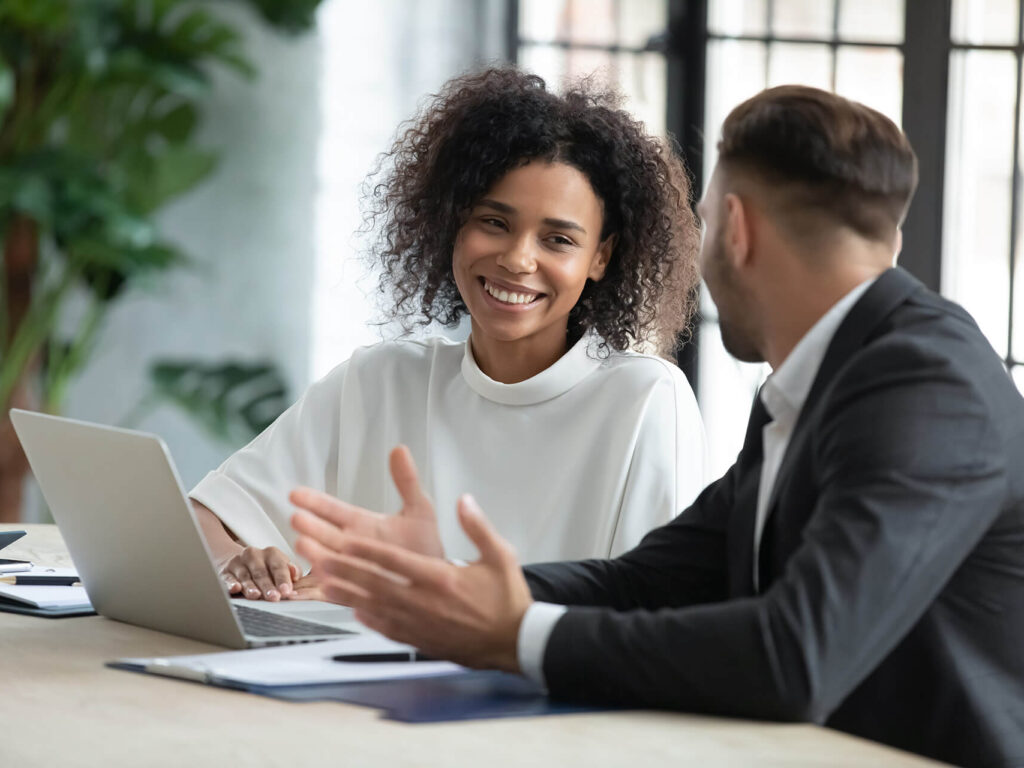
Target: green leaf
(232,401)
(7,93)
(169,174)
(176,125)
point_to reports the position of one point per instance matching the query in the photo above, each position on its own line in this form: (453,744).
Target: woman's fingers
(260,573)
(280,573)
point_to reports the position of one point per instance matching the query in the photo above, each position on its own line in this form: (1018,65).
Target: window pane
(800,63)
(1018,376)
(727,388)
(642,79)
(979,166)
(558,65)
(735,72)
(738,17)
(581,21)
(639,20)
(872,20)
(873,76)
(985,21)
(803,18)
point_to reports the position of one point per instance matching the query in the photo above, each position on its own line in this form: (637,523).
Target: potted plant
(99,102)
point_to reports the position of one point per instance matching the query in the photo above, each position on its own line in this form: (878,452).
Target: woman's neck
(513,361)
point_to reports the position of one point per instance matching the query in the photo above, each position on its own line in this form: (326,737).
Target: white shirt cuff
(534,631)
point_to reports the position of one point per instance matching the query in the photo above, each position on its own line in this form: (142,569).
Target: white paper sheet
(303,664)
(47,596)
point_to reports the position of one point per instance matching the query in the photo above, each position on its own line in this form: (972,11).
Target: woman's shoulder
(641,367)
(407,354)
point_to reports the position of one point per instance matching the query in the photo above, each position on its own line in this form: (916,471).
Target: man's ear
(602,257)
(737,233)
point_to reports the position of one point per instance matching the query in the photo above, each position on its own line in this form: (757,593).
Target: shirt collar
(553,381)
(785,391)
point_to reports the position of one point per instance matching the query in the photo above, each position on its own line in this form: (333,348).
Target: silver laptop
(120,506)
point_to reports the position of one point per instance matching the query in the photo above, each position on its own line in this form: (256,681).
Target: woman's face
(523,256)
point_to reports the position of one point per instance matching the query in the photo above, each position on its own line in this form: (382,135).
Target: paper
(47,596)
(302,664)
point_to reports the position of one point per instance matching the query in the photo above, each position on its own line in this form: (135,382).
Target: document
(47,597)
(300,664)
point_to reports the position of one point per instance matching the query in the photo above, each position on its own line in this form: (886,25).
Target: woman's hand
(265,574)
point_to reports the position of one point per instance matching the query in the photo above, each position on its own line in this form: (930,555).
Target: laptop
(120,506)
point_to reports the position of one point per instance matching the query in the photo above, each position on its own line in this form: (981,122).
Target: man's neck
(803,301)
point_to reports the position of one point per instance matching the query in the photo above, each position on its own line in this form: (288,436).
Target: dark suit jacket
(892,563)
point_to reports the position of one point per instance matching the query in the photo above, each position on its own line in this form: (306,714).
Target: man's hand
(259,573)
(413,528)
(470,614)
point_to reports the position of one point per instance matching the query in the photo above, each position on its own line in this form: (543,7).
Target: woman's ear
(602,257)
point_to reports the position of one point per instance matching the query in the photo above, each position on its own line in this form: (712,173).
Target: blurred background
(180,180)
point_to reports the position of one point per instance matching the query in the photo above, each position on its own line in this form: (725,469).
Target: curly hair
(481,126)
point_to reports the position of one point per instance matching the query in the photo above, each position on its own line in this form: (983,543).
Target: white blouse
(579,461)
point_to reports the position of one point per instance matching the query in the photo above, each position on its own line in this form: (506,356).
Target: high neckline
(563,375)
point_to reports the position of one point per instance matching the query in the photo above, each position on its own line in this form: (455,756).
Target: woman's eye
(491,222)
(560,240)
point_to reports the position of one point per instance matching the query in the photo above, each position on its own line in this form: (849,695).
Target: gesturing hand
(470,614)
(413,528)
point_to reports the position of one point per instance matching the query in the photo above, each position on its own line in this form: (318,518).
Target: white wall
(270,231)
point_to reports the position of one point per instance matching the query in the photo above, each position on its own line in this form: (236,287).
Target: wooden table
(59,706)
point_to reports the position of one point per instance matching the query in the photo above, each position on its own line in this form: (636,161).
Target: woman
(565,233)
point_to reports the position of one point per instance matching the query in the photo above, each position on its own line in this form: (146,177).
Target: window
(948,71)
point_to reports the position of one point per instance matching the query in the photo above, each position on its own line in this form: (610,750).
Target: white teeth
(509,297)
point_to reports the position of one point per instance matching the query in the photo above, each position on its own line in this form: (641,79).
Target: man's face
(736,319)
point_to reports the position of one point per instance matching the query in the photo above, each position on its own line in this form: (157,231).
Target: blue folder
(463,696)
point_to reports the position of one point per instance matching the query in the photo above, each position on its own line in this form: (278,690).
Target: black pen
(392,656)
(42,581)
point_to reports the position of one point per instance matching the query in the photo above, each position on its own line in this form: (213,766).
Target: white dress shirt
(783,394)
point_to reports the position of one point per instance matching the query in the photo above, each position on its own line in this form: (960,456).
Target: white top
(783,394)
(579,461)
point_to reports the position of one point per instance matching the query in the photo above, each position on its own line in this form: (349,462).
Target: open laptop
(120,506)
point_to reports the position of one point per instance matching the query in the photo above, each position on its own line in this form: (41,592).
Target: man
(862,563)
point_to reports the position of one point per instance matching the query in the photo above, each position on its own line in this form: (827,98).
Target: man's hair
(823,158)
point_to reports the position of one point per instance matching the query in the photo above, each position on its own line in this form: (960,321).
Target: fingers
(407,481)
(397,560)
(280,572)
(492,548)
(336,511)
(234,586)
(260,573)
(328,534)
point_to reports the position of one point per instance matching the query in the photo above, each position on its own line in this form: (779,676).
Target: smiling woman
(564,231)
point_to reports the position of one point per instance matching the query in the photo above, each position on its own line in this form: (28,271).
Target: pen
(41,581)
(395,656)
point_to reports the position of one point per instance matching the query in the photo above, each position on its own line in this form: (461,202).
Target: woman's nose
(519,257)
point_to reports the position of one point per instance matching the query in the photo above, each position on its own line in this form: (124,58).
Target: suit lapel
(889,291)
(744,510)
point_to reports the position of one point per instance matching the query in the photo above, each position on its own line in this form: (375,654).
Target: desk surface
(60,706)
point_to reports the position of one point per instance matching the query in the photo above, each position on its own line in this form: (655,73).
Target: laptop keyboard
(266,624)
